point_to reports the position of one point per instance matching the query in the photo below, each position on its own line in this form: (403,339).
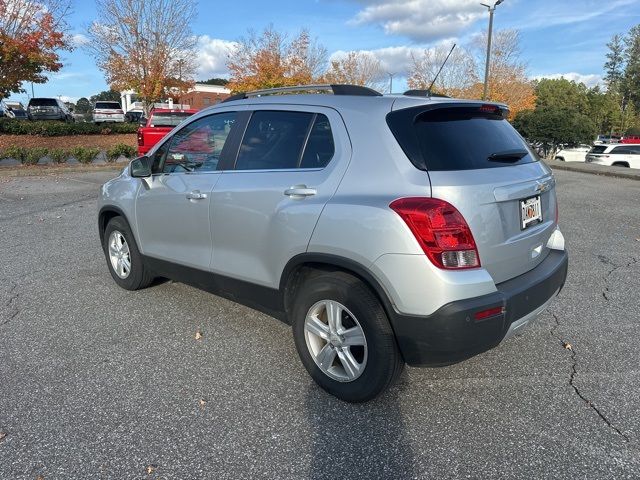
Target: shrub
(56,129)
(120,149)
(17,153)
(85,155)
(33,155)
(58,155)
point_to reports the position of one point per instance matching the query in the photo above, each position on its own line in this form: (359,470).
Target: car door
(266,204)
(172,206)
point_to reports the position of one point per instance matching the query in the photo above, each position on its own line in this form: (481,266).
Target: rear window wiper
(507,156)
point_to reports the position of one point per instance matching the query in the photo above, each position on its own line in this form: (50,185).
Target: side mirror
(141,167)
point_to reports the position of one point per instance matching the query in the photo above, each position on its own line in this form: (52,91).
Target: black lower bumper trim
(452,333)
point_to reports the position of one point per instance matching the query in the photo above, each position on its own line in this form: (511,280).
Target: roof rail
(424,93)
(335,89)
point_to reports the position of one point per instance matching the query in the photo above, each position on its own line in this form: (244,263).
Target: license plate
(530,212)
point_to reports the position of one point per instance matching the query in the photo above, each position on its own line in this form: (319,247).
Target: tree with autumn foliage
(508,80)
(31,35)
(145,45)
(270,59)
(356,68)
(457,75)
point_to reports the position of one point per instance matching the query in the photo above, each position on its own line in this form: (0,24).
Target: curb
(38,170)
(618,172)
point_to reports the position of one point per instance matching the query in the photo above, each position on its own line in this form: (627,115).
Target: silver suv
(385,229)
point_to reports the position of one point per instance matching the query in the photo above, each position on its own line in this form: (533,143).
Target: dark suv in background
(49,109)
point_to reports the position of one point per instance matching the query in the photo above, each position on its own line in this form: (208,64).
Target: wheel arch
(301,265)
(107,213)
(620,164)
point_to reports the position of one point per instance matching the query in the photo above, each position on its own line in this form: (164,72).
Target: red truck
(161,121)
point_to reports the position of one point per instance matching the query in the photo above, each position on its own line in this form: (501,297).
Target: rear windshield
(108,105)
(168,119)
(43,102)
(598,148)
(465,137)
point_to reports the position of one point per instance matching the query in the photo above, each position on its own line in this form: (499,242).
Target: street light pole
(486,69)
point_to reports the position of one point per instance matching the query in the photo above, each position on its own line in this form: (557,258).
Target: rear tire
(362,363)
(560,159)
(620,164)
(123,257)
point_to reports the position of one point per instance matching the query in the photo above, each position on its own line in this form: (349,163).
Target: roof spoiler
(424,93)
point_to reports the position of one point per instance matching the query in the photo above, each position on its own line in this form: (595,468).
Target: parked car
(11,109)
(108,112)
(48,109)
(631,139)
(360,219)
(608,139)
(134,116)
(617,155)
(573,154)
(160,122)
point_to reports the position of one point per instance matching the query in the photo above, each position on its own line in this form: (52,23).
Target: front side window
(274,140)
(198,146)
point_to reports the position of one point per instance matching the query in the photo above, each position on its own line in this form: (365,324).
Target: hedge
(58,129)
(31,156)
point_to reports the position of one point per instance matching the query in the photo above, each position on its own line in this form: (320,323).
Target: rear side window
(598,149)
(458,138)
(320,148)
(43,102)
(107,105)
(274,140)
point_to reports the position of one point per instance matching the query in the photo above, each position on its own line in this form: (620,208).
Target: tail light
(140,138)
(441,231)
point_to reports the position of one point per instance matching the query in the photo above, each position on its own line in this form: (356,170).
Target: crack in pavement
(607,261)
(574,372)
(14,310)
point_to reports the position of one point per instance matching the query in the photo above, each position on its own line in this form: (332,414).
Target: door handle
(196,195)
(300,191)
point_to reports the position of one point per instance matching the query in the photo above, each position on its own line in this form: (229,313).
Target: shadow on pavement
(357,440)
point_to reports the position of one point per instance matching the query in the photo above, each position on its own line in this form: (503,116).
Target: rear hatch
(478,162)
(596,152)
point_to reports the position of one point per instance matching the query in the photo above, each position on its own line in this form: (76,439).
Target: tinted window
(273,140)
(108,105)
(168,119)
(319,149)
(598,149)
(43,102)
(621,150)
(198,146)
(458,138)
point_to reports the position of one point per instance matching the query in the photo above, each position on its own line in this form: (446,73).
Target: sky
(559,37)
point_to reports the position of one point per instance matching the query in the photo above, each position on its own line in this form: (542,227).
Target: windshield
(168,119)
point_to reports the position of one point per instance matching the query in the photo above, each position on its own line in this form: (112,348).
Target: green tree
(552,127)
(215,81)
(562,93)
(83,105)
(632,69)
(614,66)
(105,96)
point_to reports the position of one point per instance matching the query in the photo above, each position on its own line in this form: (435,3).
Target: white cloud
(212,56)
(421,20)
(66,98)
(590,80)
(79,40)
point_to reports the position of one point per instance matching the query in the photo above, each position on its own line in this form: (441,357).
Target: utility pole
(486,69)
(32,94)
(390,81)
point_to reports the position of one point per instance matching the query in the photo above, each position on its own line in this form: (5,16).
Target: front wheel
(123,257)
(343,337)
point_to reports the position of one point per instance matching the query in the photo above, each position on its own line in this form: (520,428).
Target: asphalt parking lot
(98,382)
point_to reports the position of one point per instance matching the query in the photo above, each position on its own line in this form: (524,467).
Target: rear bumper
(117,118)
(452,334)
